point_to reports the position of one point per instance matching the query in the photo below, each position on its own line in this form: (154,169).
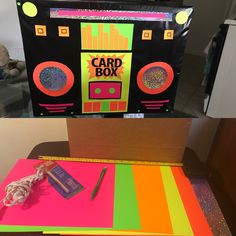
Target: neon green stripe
(179,218)
(126,215)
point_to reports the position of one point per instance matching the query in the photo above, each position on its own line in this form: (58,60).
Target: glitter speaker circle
(155,78)
(53,78)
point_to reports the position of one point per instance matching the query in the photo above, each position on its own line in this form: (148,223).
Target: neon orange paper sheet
(195,214)
(153,208)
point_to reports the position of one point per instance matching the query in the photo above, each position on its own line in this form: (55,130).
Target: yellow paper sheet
(178,215)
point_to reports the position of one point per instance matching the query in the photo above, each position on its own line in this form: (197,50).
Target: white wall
(209,14)
(19,136)
(231,10)
(10,34)
(201,136)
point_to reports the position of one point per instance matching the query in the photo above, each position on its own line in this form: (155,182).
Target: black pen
(96,188)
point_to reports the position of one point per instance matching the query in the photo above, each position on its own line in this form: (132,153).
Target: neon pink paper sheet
(46,207)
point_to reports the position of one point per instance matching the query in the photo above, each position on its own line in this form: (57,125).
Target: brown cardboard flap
(129,139)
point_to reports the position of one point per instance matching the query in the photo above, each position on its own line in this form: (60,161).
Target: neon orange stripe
(153,208)
(89,37)
(84,38)
(95,42)
(112,32)
(100,36)
(126,43)
(196,217)
(116,39)
(106,42)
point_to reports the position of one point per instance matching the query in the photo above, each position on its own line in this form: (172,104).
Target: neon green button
(30,9)
(182,17)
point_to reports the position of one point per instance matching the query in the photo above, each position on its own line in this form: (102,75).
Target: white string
(18,191)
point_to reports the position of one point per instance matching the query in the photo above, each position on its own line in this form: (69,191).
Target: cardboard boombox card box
(101,57)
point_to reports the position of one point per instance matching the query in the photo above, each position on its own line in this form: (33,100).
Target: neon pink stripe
(161,101)
(154,105)
(57,111)
(153,108)
(55,108)
(57,105)
(82,13)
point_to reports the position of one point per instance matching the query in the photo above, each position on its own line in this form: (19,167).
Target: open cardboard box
(162,140)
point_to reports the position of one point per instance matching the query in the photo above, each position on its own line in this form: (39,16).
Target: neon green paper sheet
(126,216)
